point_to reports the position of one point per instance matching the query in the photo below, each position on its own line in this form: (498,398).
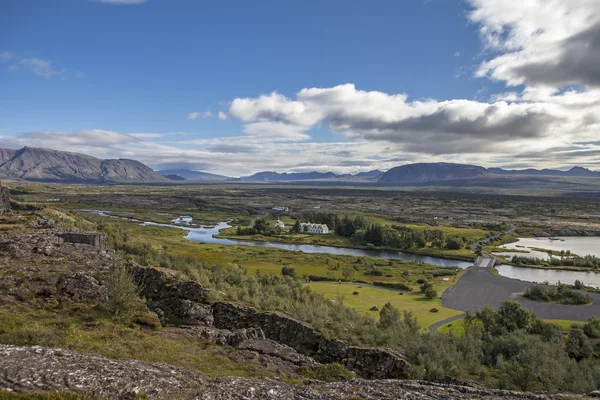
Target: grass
(458,327)
(371,296)
(87,331)
(270,260)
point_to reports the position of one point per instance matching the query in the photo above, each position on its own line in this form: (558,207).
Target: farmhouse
(279,224)
(314,228)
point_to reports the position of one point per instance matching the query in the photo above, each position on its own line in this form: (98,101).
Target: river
(577,245)
(206,234)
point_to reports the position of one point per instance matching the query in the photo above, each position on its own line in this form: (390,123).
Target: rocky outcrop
(43,369)
(370,363)
(97,240)
(81,287)
(186,303)
(174,301)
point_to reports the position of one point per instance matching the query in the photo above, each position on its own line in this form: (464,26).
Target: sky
(236,87)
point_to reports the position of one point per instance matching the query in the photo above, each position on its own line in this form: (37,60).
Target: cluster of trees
(509,348)
(588,261)
(365,232)
(260,227)
(559,294)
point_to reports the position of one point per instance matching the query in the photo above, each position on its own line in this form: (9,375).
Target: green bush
(123,294)
(393,285)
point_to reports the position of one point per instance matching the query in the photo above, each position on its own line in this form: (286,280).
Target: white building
(279,224)
(281,209)
(314,228)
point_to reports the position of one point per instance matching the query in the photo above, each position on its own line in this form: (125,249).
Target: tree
(288,271)
(514,316)
(577,345)
(389,316)
(348,273)
(430,293)
(296,228)
(425,285)
(261,225)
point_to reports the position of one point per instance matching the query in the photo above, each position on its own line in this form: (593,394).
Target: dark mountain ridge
(39,164)
(190,175)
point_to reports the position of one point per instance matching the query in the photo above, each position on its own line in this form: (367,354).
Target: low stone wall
(97,240)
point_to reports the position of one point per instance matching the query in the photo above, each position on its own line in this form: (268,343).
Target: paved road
(479,287)
(434,328)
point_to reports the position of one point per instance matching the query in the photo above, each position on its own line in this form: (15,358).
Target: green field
(458,328)
(369,296)
(270,260)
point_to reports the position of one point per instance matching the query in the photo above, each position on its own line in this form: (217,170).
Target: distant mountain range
(189,175)
(32,163)
(272,176)
(441,172)
(52,165)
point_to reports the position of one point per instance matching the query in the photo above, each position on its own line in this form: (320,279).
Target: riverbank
(344,243)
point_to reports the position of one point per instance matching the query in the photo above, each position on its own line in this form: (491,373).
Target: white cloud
(540,42)
(222,116)
(457,54)
(38,66)
(6,56)
(196,115)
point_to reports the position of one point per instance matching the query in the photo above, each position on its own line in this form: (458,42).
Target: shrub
(592,328)
(320,278)
(288,271)
(123,296)
(393,285)
(389,316)
(430,293)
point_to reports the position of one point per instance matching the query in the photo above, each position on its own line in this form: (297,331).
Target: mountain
(574,172)
(190,175)
(272,176)
(52,165)
(6,154)
(371,174)
(431,172)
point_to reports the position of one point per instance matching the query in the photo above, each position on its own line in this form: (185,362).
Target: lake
(580,245)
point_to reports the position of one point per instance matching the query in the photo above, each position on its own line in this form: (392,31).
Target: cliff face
(188,302)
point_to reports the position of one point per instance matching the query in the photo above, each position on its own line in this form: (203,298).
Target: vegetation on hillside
(510,348)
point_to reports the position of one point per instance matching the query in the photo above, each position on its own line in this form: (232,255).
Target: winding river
(206,234)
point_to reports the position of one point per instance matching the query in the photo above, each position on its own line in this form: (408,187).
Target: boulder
(81,287)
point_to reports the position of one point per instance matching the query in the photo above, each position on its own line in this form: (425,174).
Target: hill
(431,172)
(190,175)
(32,163)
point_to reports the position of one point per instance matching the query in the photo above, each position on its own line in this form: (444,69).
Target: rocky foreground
(42,369)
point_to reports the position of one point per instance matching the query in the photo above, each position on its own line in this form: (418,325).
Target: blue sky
(217,85)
